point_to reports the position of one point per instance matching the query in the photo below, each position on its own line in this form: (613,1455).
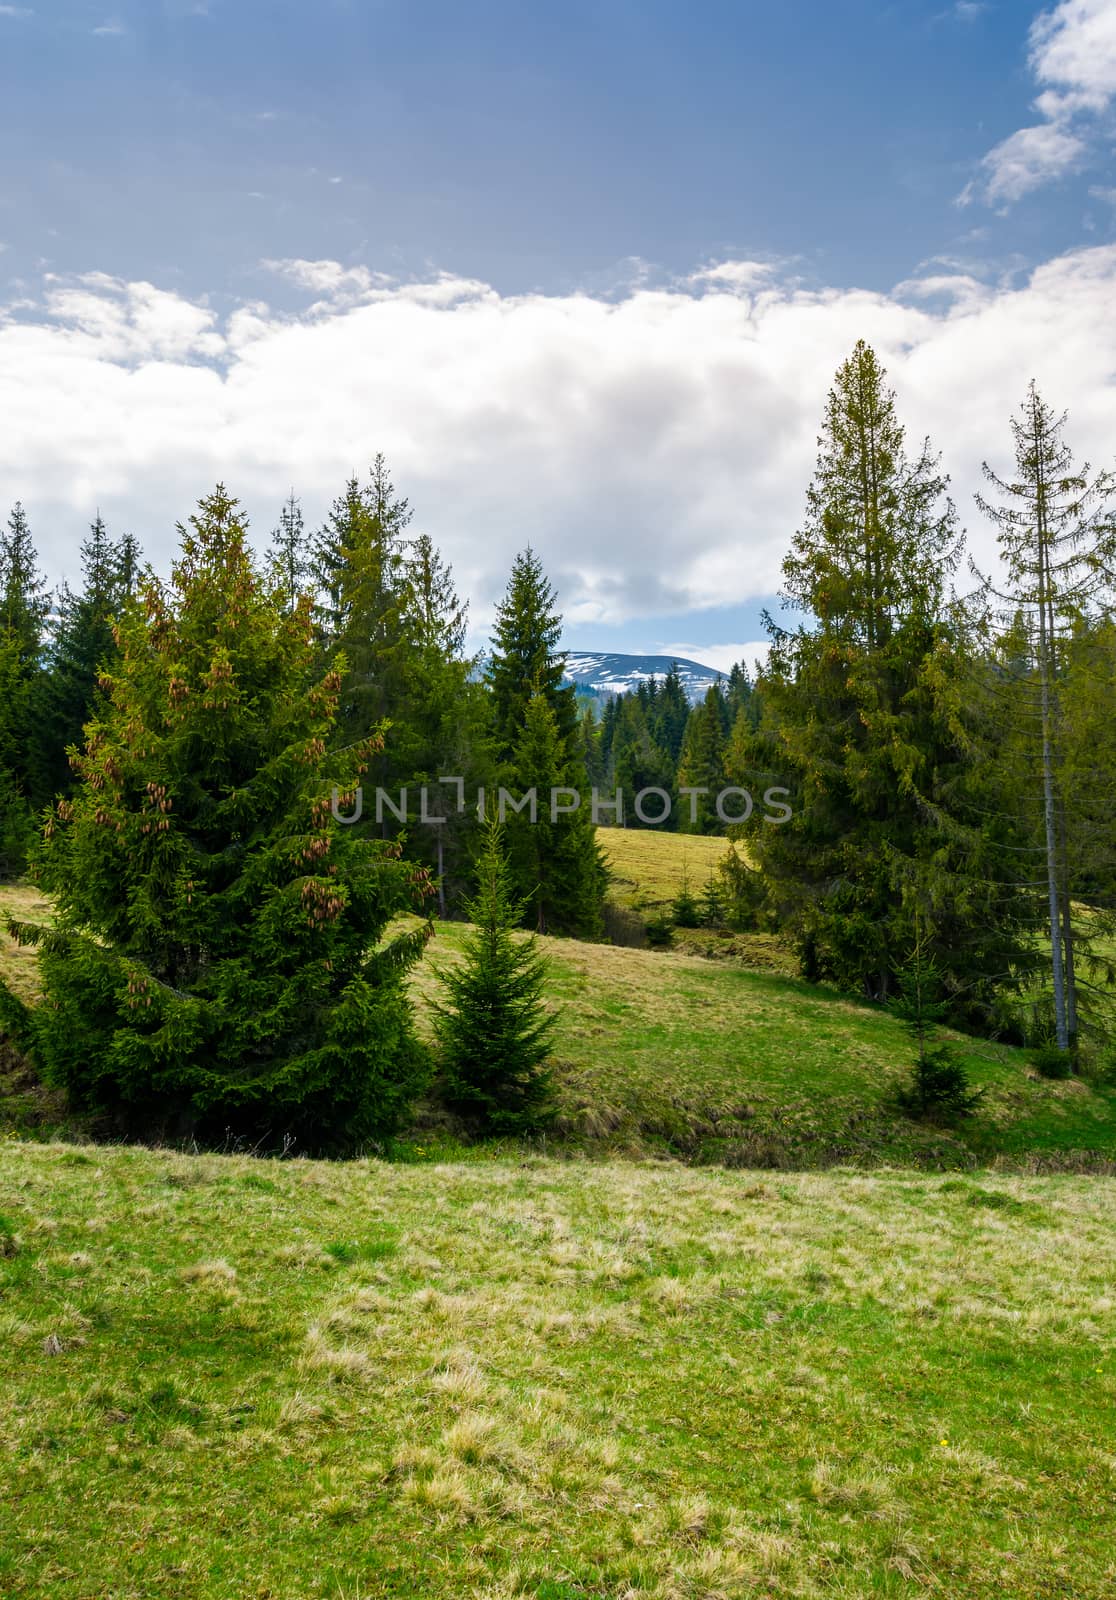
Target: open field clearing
(649,868)
(550,1379)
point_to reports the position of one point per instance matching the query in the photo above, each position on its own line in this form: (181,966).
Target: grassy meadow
(662,1052)
(633,1361)
(649,868)
(232,1377)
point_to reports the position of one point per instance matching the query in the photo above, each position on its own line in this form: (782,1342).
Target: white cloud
(112,29)
(1073,50)
(1030,158)
(655,447)
(1075,46)
(16,11)
(735,274)
(721,657)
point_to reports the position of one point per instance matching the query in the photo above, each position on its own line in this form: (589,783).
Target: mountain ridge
(608,672)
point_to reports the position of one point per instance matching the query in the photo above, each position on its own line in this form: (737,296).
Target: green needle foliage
(218,960)
(493,1029)
(686,911)
(939,1088)
(557,869)
(24,605)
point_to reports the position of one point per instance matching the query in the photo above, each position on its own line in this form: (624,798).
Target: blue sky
(554,154)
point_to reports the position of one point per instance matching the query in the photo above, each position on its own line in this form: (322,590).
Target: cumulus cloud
(654,446)
(1073,51)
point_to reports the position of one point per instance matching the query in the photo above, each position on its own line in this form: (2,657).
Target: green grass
(648,872)
(515,1375)
(226,1377)
(668,1052)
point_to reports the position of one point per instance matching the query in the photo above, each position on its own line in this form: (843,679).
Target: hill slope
(712,1061)
(662,1051)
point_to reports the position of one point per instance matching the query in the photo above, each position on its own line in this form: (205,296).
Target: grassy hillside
(225,1377)
(659,1050)
(648,868)
(667,1053)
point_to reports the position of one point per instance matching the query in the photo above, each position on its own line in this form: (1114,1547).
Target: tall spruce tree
(218,957)
(702,764)
(24,597)
(440,715)
(672,710)
(589,741)
(525,659)
(560,874)
(1056,528)
(556,865)
(359,565)
(15,813)
(24,607)
(865,721)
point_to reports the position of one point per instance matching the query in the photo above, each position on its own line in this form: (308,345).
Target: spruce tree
(493,1030)
(672,710)
(439,718)
(939,1087)
(609,718)
(556,865)
(81,645)
(24,597)
(589,742)
(24,607)
(15,814)
(289,552)
(866,721)
(559,873)
(702,764)
(359,566)
(218,958)
(639,763)
(525,659)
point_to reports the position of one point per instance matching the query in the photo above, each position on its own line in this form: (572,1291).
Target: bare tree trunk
(1045,654)
(1067,930)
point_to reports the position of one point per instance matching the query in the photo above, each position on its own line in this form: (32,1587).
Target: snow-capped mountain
(606,674)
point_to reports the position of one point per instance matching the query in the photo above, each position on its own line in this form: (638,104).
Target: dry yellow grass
(648,868)
(17,966)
